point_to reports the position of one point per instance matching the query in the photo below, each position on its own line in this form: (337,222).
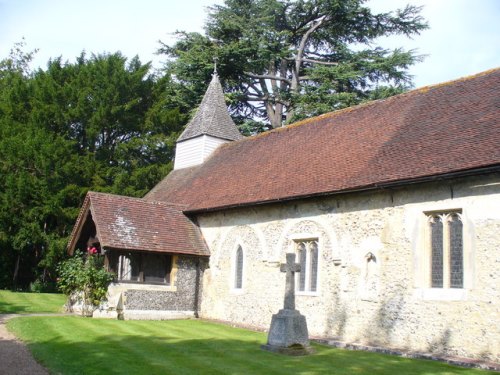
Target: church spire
(212,118)
(210,127)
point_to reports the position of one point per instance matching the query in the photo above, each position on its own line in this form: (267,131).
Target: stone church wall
(148,301)
(372,286)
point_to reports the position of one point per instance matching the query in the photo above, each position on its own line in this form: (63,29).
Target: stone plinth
(288,334)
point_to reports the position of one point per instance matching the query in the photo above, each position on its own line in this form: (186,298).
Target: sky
(463,39)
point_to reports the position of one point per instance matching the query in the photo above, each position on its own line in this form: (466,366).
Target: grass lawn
(75,345)
(27,303)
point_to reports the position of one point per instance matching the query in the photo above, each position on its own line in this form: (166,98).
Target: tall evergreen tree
(288,59)
(101,123)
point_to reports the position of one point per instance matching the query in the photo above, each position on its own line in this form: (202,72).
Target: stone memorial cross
(290,267)
(288,333)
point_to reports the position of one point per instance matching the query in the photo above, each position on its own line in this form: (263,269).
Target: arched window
(313,267)
(238,274)
(436,252)
(307,254)
(302,255)
(456,252)
(446,250)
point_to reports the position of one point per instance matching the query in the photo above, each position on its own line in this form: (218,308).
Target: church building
(392,208)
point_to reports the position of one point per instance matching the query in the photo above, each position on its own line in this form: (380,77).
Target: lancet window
(307,255)
(446,250)
(238,274)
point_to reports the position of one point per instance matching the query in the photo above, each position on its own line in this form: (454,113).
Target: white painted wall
(195,151)
(394,309)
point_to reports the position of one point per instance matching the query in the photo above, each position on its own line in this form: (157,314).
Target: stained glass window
(446,250)
(437,252)
(456,252)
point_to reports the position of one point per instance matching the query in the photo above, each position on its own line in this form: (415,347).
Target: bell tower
(207,130)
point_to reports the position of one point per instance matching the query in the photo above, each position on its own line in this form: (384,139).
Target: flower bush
(83,277)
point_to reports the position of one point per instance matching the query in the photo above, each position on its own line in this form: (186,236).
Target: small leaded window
(307,254)
(238,275)
(140,267)
(446,250)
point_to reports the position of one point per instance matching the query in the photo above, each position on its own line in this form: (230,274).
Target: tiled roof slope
(432,131)
(136,224)
(212,117)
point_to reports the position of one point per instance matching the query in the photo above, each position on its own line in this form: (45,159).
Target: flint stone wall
(183,298)
(383,303)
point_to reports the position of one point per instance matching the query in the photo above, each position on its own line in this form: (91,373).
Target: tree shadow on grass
(160,354)
(11,308)
(27,303)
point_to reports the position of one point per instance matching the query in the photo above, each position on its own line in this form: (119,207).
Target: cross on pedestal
(288,332)
(290,267)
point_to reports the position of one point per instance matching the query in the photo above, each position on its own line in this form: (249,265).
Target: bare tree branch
(303,42)
(264,76)
(300,53)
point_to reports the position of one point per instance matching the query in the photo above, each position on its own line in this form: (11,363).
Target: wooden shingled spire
(208,129)
(212,117)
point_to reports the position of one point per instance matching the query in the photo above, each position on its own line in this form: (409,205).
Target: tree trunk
(274,113)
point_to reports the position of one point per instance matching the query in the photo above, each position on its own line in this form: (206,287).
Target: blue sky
(463,39)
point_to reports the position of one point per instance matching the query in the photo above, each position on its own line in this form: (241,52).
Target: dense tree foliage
(288,59)
(98,124)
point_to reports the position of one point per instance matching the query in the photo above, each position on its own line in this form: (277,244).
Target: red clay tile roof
(432,131)
(136,224)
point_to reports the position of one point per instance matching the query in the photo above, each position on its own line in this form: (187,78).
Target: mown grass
(28,303)
(75,345)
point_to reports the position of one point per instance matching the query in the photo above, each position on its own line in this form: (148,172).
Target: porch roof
(135,224)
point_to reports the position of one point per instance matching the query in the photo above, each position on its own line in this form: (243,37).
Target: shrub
(84,277)
(39,286)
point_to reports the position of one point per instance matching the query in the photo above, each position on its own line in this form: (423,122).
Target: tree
(289,59)
(37,194)
(102,123)
(116,114)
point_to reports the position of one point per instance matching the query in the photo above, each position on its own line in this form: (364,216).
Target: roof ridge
(436,131)
(112,195)
(168,204)
(339,112)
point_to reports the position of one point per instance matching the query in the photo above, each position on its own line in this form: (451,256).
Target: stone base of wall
(157,315)
(141,314)
(105,314)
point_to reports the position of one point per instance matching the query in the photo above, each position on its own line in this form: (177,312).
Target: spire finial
(215,64)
